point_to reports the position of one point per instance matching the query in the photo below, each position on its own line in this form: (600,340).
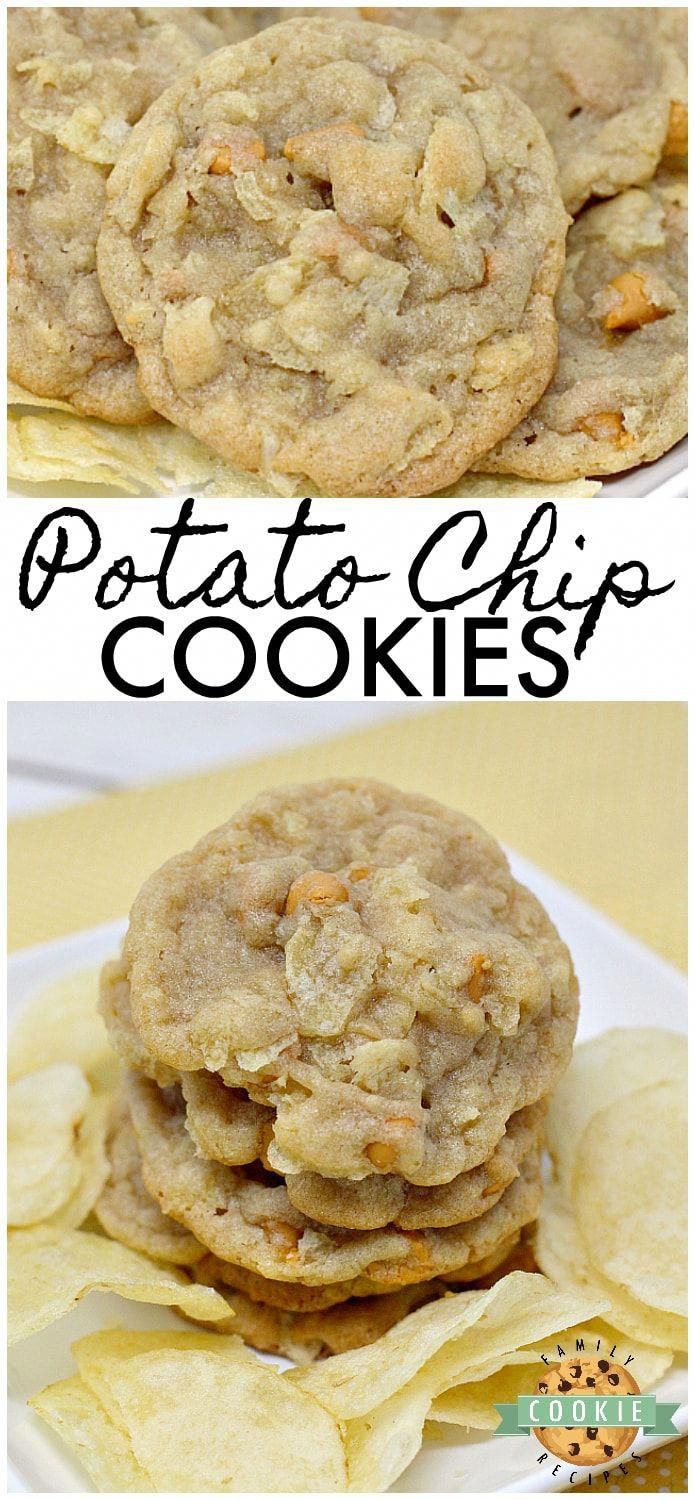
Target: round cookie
(377,1201)
(307,1336)
(363,961)
(243,1218)
(128,1213)
(334,250)
(114,1007)
(597,1377)
(607,84)
(79,78)
(619,394)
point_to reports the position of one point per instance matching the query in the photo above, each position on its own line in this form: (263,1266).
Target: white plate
(623,984)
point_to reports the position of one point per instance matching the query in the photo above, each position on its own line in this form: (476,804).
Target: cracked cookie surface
(334,249)
(79,78)
(619,395)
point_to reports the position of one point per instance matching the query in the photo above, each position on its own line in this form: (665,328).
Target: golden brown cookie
(246,1218)
(361,961)
(619,395)
(334,250)
(79,78)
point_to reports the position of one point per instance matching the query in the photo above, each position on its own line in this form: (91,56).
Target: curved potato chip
(62,1024)
(44,1111)
(382,1393)
(226,1424)
(17,396)
(102,1448)
(630,1193)
(559,1252)
(49,1270)
(159,458)
(90,1352)
(606,1069)
(90,1147)
(472,1403)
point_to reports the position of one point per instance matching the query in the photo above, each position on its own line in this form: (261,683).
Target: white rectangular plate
(623,984)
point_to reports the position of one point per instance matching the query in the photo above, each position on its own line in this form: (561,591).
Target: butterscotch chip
(338,304)
(676,143)
(606,427)
(79,78)
(316,888)
(633,308)
(619,394)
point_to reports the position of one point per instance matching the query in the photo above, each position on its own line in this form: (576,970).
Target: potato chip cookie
(592,1377)
(619,394)
(607,84)
(245,1217)
(362,961)
(334,249)
(307,1336)
(376,1201)
(127,1211)
(79,78)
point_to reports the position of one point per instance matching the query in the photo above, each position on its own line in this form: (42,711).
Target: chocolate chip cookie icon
(593,1377)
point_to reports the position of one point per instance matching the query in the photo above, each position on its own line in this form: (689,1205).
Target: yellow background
(594,793)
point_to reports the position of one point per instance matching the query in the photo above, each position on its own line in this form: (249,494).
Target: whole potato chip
(49,1270)
(44,1111)
(560,1253)
(606,1069)
(224,1424)
(630,1194)
(460,1330)
(102,1448)
(62,1024)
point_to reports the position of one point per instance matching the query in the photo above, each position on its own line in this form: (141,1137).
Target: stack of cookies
(340,1016)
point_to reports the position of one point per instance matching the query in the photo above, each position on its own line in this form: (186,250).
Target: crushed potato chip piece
(638,1238)
(44,1112)
(62,1024)
(74,1413)
(49,1270)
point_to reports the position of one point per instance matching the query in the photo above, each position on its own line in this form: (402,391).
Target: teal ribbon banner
(584,1410)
